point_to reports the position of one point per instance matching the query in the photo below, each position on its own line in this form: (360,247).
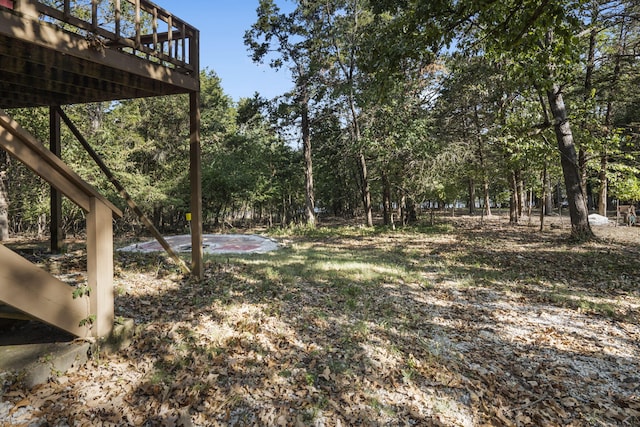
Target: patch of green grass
(285,373)
(161,376)
(360,329)
(313,412)
(408,375)
(351,290)
(310,378)
(381,408)
(578,302)
(351,304)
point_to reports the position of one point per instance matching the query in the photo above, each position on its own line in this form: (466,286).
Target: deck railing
(137,27)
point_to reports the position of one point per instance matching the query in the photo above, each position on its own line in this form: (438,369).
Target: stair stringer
(32,290)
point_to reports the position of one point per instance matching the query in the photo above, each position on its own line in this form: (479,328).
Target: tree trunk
(580,228)
(410,211)
(604,182)
(472,196)
(308,163)
(513,203)
(602,194)
(548,192)
(158,220)
(582,168)
(402,209)
(386,197)
(543,197)
(362,161)
(366,189)
(487,197)
(520,193)
(483,171)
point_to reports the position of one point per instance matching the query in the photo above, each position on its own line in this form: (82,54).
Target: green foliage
(624,183)
(410,101)
(87,321)
(81,291)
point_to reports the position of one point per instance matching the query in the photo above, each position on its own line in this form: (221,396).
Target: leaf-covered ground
(462,324)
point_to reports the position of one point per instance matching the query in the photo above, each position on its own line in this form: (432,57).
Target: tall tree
(287,39)
(343,24)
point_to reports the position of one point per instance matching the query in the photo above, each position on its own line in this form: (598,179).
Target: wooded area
(394,108)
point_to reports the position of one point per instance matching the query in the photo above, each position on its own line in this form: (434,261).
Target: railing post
(169,35)
(117,17)
(100,267)
(183,57)
(194,51)
(137,23)
(94,14)
(154,27)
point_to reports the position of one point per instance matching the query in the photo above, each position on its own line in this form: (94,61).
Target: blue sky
(222,24)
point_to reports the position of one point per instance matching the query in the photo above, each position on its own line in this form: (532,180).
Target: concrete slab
(211,244)
(33,352)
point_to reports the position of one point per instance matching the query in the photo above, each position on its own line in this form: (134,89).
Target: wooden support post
(100,266)
(56,197)
(196,186)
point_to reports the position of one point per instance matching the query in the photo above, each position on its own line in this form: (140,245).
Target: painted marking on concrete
(211,244)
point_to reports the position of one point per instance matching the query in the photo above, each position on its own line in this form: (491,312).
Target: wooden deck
(78,52)
(122,49)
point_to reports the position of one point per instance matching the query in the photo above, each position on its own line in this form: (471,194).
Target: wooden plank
(48,36)
(55,80)
(8,312)
(61,89)
(37,164)
(32,290)
(43,68)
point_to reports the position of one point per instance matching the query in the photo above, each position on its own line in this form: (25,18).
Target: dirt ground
(472,322)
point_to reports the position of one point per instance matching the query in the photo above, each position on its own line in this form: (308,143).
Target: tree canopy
(395,107)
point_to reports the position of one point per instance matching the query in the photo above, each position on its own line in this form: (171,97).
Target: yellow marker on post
(188,217)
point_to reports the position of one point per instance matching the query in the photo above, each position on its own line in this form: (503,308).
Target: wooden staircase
(52,56)
(32,290)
